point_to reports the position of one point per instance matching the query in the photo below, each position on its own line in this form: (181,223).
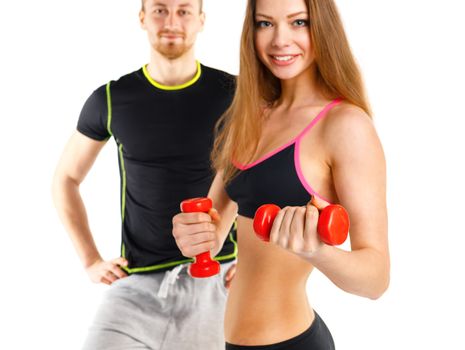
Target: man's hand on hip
(107,272)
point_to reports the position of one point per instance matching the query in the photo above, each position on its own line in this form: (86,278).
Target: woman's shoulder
(347,118)
(346,112)
(348,126)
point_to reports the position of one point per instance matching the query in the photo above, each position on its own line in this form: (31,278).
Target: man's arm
(76,161)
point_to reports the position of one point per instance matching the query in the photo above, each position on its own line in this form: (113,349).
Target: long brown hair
(337,74)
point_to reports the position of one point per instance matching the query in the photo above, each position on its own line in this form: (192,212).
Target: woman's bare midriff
(267,301)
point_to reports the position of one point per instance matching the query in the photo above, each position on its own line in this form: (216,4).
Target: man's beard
(172,50)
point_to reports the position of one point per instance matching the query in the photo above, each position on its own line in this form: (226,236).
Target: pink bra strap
(320,116)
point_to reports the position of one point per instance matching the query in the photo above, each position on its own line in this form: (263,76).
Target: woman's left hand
(295,229)
(229,276)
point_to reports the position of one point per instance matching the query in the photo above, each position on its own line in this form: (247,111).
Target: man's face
(172,25)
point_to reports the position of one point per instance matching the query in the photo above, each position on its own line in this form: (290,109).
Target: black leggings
(317,337)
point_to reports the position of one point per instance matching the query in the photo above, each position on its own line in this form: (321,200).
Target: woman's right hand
(106,272)
(196,233)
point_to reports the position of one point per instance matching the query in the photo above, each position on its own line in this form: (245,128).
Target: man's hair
(200,5)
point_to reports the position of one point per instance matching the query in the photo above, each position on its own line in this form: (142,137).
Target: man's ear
(202,21)
(141,19)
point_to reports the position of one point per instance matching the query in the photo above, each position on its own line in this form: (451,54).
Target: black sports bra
(274,178)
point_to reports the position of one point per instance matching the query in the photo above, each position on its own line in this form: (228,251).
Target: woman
(299,127)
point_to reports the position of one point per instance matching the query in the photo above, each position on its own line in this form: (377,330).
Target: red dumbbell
(203,266)
(333,223)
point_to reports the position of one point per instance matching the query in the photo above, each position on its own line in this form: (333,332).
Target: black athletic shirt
(164,136)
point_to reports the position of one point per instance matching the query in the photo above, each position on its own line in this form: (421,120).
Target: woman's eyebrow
(288,16)
(297,14)
(262,15)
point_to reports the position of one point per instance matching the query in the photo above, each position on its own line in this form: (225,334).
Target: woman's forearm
(364,272)
(228,214)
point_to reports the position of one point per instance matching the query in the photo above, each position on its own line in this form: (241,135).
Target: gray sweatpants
(161,311)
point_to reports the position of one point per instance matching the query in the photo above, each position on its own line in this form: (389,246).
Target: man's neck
(172,72)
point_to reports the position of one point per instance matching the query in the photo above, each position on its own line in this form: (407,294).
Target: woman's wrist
(321,255)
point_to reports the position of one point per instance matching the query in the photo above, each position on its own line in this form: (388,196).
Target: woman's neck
(300,90)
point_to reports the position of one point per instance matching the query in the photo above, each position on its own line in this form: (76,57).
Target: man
(162,118)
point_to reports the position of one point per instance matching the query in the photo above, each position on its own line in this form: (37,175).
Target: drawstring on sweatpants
(170,277)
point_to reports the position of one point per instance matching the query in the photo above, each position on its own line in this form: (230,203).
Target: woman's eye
(300,23)
(263,24)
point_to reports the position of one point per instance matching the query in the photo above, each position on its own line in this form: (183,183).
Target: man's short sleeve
(94,115)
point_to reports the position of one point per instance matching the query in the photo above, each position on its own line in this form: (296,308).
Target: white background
(55,53)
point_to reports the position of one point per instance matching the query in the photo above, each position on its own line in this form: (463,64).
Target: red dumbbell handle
(203,266)
(333,223)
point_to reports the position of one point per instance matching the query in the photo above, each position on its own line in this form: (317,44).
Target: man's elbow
(61,183)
